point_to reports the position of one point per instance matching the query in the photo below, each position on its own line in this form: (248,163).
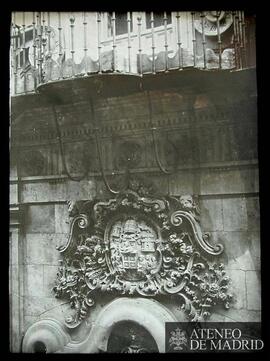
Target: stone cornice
(177,120)
(213,166)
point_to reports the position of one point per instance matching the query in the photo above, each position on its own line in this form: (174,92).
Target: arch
(150,314)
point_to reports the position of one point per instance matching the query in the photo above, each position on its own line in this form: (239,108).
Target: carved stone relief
(129,337)
(138,244)
(129,154)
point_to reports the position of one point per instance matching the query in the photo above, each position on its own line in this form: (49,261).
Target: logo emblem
(178,339)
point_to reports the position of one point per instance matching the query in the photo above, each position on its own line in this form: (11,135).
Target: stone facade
(206,137)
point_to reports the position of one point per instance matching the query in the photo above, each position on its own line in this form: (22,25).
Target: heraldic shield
(140,244)
(134,247)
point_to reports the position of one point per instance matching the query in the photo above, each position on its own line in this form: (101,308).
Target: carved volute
(138,244)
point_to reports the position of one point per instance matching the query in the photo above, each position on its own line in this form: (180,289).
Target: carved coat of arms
(140,244)
(134,248)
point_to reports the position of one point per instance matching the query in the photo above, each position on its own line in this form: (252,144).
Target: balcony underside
(93,86)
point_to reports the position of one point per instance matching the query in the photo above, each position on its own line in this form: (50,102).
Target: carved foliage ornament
(137,244)
(208,22)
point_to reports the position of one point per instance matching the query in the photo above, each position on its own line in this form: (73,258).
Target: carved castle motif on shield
(134,248)
(140,244)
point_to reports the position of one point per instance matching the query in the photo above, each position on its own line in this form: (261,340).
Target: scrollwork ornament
(141,245)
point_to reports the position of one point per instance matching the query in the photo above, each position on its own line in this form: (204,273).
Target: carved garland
(137,244)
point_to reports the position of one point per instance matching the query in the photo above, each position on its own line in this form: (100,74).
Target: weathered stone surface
(41,248)
(12,168)
(241,249)
(239,180)
(34,280)
(62,219)
(14,258)
(255,248)
(160,183)
(216,317)
(58,311)
(29,320)
(115,182)
(253,213)
(233,315)
(253,284)
(210,183)
(235,214)
(41,192)
(14,281)
(238,287)
(211,214)
(181,183)
(37,305)
(228,181)
(13,194)
(49,280)
(80,190)
(58,190)
(16,309)
(40,218)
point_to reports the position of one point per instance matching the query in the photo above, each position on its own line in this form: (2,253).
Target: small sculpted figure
(189,204)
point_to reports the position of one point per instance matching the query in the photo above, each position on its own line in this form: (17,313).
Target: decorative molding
(210,22)
(215,166)
(179,120)
(180,149)
(140,244)
(47,334)
(149,314)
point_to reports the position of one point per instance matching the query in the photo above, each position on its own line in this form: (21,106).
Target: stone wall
(222,171)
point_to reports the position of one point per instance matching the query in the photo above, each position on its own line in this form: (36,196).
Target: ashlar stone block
(238,289)
(253,284)
(62,219)
(235,214)
(49,278)
(40,218)
(34,280)
(36,305)
(41,248)
(211,214)
(241,249)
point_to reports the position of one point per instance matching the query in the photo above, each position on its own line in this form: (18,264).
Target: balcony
(49,46)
